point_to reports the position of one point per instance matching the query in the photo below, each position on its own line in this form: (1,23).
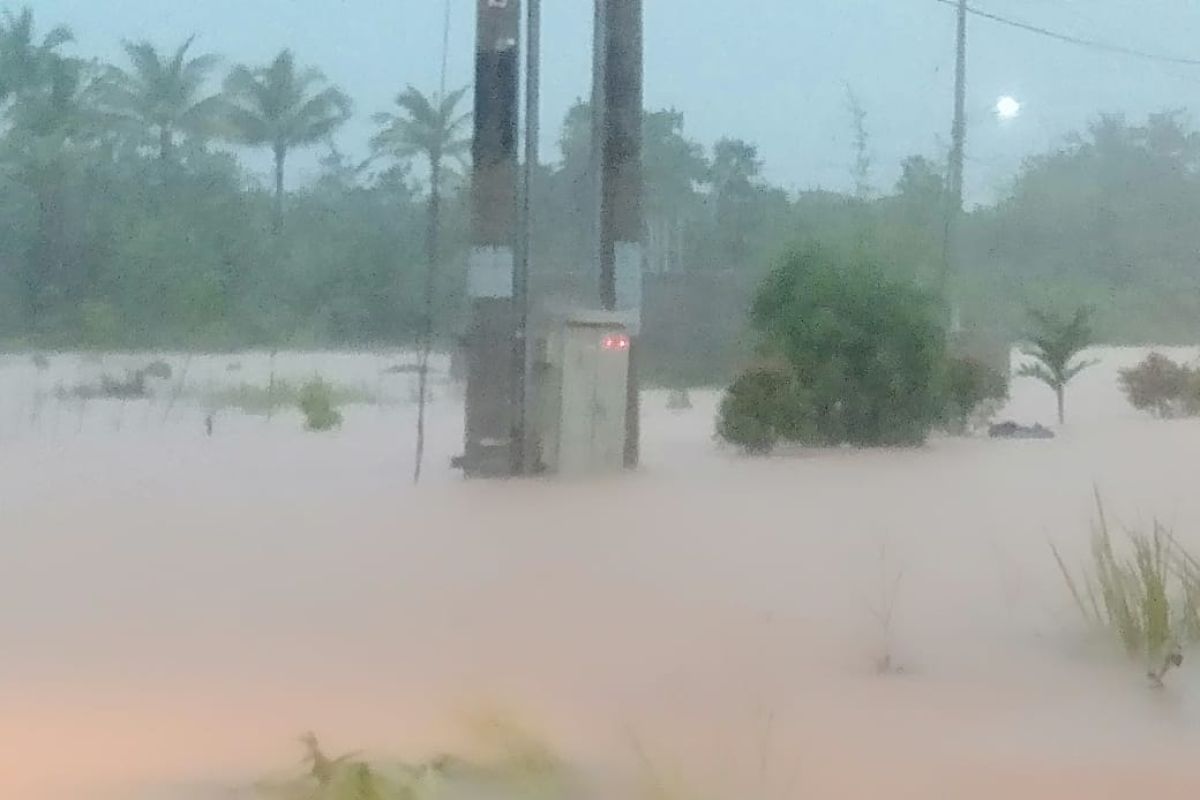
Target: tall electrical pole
(524,360)
(492,346)
(954,178)
(617,144)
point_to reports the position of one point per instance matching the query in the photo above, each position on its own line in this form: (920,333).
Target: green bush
(317,403)
(969,386)
(865,352)
(763,407)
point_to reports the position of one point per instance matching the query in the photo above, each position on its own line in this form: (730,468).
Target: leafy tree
(283,107)
(1055,343)
(434,130)
(674,166)
(54,126)
(163,94)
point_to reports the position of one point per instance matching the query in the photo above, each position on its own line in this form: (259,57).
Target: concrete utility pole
(954,178)
(524,366)
(492,428)
(617,145)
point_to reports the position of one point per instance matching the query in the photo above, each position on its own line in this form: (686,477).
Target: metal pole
(527,400)
(491,409)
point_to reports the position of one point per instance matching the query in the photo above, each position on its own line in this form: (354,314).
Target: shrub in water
(762,407)
(970,385)
(864,351)
(316,402)
(1162,387)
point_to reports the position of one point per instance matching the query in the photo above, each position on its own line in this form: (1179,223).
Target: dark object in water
(1011,430)
(208,425)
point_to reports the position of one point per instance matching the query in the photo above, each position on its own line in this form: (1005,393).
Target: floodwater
(175,609)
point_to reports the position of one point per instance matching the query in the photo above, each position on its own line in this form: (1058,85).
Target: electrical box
(582,391)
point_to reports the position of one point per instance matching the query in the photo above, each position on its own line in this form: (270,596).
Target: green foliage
(162,96)
(1147,601)
(131,387)
(765,405)
(512,766)
(279,394)
(283,107)
(1162,387)
(433,129)
(865,349)
(969,386)
(121,227)
(1055,343)
(319,405)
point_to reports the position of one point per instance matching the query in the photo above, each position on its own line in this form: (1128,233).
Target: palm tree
(1054,345)
(163,93)
(433,130)
(283,107)
(24,63)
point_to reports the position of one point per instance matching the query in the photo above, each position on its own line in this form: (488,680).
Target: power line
(1080,41)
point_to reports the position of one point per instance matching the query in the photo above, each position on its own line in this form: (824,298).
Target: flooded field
(175,608)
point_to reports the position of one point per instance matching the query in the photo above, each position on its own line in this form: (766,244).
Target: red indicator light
(616,342)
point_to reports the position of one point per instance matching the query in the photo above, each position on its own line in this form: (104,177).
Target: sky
(774,72)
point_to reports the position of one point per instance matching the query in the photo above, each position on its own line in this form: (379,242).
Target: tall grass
(1144,598)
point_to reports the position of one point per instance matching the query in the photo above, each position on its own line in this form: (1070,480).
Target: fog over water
(177,608)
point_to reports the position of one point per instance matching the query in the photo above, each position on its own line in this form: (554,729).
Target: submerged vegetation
(1144,598)
(1163,387)
(855,358)
(280,393)
(511,765)
(318,405)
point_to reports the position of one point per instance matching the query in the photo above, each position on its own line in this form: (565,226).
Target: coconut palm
(163,93)
(25,63)
(282,107)
(432,129)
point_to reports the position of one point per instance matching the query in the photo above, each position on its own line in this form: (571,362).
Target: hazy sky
(771,71)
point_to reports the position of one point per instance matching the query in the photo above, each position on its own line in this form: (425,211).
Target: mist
(915,399)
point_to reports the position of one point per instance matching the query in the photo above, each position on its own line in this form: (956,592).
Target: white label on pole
(490,273)
(627,264)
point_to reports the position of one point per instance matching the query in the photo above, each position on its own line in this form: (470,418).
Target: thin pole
(533,88)
(433,254)
(954,200)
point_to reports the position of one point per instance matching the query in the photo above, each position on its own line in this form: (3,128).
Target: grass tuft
(1144,598)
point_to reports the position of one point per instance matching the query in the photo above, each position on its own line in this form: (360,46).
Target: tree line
(128,220)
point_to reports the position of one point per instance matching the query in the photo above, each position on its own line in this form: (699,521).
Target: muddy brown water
(175,609)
